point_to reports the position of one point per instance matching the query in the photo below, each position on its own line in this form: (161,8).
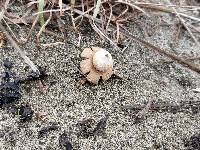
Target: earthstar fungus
(97,64)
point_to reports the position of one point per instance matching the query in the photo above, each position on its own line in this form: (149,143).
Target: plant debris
(18,50)
(186,106)
(193,143)
(9,87)
(141,114)
(39,115)
(111,21)
(64,142)
(44,130)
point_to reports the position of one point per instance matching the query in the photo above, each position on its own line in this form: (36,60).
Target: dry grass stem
(132,5)
(185,25)
(44,25)
(32,27)
(185,63)
(22,54)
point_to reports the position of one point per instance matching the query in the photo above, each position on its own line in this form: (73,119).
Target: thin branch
(30,31)
(110,16)
(83,13)
(102,34)
(132,5)
(10,30)
(22,54)
(142,4)
(185,25)
(185,63)
(165,8)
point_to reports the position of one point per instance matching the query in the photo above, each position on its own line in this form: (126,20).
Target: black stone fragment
(66,1)
(45,130)
(193,143)
(88,128)
(101,125)
(6,98)
(14,110)
(7,63)
(42,75)
(64,142)
(26,113)
(185,82)
(9,86)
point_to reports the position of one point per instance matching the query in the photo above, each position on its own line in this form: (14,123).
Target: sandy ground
(67,102)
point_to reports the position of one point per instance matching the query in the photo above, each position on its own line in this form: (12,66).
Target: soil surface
(146,75)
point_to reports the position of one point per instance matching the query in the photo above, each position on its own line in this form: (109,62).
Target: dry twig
(22,54)
(185,63)
(185,25)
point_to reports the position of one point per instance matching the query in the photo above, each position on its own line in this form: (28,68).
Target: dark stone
(101,125)
(45,130)
(26,113)
(86,128)
(7,64)
(64,142)
(9,90)
(193,143)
